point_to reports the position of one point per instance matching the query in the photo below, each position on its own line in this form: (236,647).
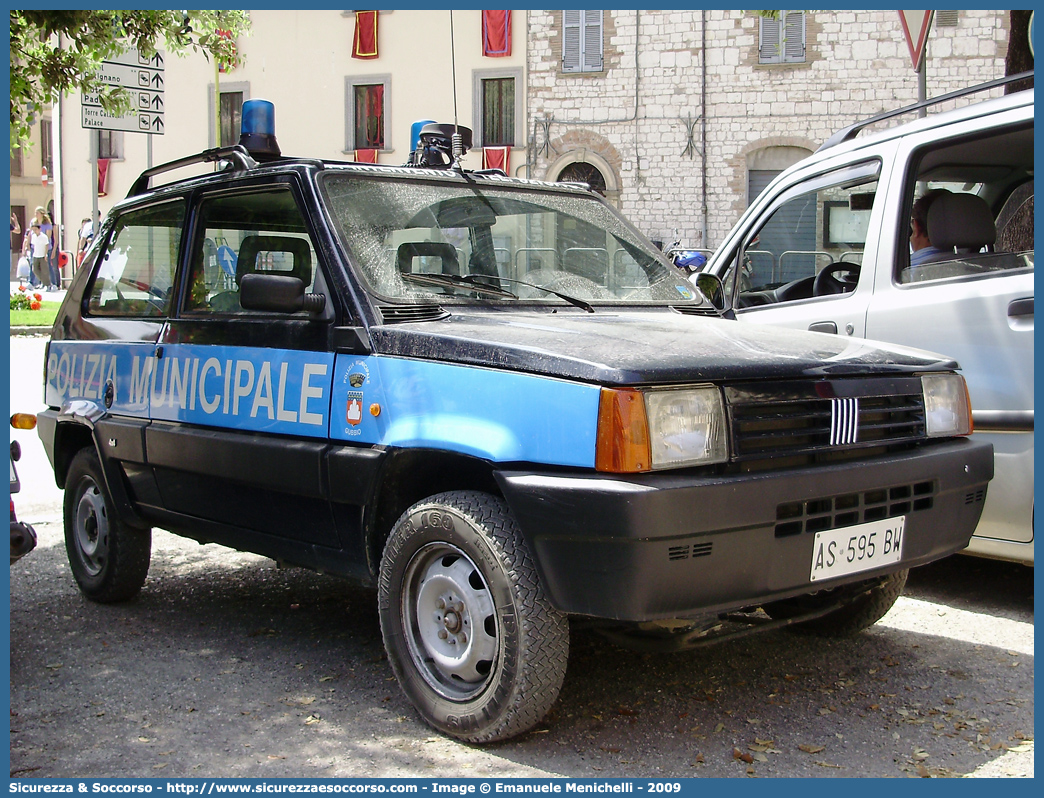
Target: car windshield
(414,239)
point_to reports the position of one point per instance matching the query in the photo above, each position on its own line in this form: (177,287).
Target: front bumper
(664,545)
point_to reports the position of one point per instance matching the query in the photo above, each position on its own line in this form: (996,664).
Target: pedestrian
(16,230)
(38,245)
(84,237)
(47,228)
(27,253)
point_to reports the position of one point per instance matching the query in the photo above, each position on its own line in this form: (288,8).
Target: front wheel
(474,642)
(108,558)
(866,603)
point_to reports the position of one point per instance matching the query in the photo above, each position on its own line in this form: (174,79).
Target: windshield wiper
(476,282)
(456,281)
(572,300)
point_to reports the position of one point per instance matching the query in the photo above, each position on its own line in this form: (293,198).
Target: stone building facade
(639,120)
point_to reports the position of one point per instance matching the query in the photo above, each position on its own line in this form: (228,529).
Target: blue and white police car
(496,402)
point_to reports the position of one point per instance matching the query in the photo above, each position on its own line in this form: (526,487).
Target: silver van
(834,244)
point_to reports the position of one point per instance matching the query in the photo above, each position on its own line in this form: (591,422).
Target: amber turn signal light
(623,432)
(23,421)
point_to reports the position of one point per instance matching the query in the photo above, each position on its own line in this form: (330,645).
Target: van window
(811,228)
(262,232)
(970,204)
(135,272)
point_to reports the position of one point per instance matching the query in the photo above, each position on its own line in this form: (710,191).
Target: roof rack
(850,132)
(237,156)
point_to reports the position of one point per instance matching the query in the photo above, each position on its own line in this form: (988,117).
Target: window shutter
(768,40)
(794,37)
(571,41)
(592,50)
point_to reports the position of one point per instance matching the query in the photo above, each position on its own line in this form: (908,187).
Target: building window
(498,122)
(366,111)
(16,162)
(230,112)
(782,40)
(498,112)
(579,172)
(110,144)
(46,150)
(581,41)
(369,117)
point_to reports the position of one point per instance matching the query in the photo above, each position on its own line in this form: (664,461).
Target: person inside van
(922,251)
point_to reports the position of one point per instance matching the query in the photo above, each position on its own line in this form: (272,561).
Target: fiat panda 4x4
(495,401)
(828,246)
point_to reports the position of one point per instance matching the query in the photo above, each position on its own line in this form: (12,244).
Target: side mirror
(711,287)
(277,293)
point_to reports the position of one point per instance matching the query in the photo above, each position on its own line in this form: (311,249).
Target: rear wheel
(471,637)
(109,559)
(867,603)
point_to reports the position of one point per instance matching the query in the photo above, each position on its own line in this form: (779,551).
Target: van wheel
(109,559)
(873,599)
(474,642)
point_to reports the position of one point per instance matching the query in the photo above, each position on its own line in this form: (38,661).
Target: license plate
(851,549)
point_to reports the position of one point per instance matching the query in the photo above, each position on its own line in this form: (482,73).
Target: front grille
(795,419)
(835,512)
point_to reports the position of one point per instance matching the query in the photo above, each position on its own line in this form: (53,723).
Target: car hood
(612,347)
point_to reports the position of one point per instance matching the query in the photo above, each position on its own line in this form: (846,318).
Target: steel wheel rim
(91,529)
(450,621)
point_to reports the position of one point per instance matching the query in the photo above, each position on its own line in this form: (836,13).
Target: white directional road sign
(142,76)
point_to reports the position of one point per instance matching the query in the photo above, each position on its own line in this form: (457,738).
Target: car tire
(109,559)
(873,599)
(474,642)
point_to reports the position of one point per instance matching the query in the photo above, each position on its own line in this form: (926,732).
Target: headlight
(672,428)
(686,427)
(947,409)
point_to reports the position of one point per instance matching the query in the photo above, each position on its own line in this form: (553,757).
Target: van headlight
(655,429)
(947,407)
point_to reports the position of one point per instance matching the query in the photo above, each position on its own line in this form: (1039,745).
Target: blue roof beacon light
(258,129)
(415,130)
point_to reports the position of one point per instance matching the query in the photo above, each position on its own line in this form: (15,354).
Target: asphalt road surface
(226,666)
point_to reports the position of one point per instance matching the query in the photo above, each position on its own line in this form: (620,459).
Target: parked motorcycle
(692,260)
(23,536)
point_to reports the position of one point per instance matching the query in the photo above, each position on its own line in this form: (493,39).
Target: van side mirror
(277,293)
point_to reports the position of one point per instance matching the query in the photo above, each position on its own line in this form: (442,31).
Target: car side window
(135,272)
(261,232)
(970,208)
(810,245)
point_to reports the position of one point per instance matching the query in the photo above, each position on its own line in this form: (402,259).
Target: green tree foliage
(53,52)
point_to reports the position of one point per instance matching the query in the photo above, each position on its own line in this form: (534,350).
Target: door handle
(823,327)
(1021,307)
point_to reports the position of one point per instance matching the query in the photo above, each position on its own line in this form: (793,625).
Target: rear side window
(971,208)
(134,274)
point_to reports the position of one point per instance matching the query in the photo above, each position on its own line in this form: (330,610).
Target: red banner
(496,34)
(366,156)
(496,158)
(103,175)
(365,43)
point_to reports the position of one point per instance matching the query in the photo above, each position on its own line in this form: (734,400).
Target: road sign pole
(922,80)
(94,175)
